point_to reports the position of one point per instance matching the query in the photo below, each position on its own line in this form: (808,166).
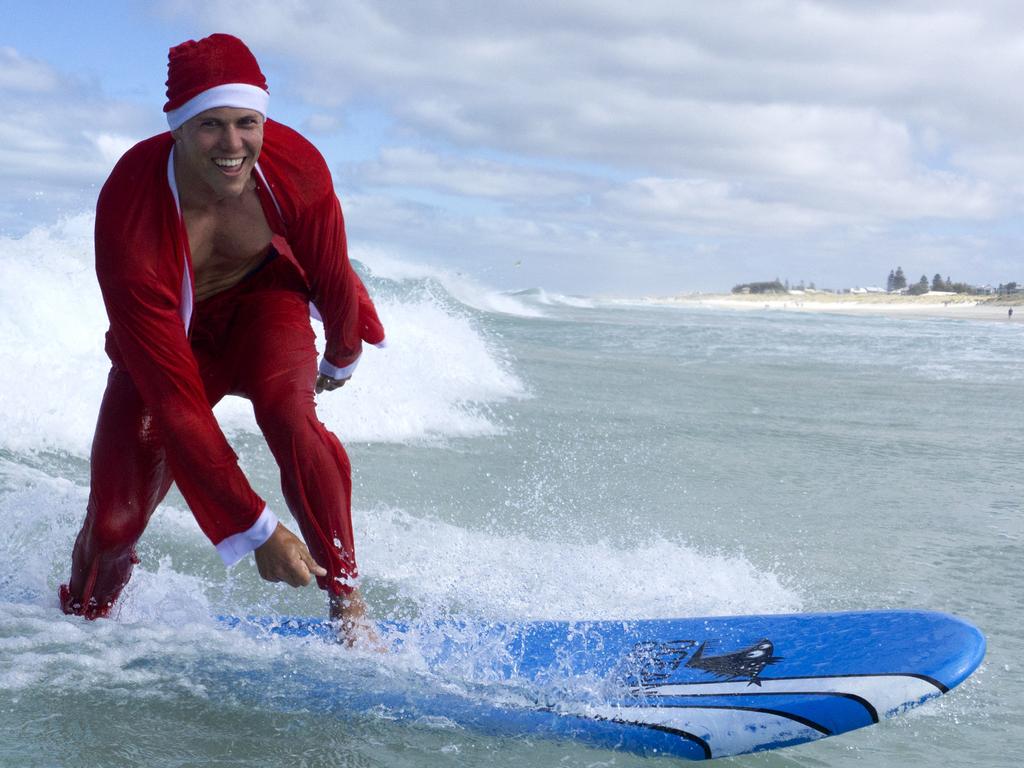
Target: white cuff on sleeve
(335,372)
(235,547)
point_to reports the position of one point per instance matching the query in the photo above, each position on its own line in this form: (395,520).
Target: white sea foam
(41,516)
(435,378)
(441,566)
(550,298)
(51,339)
(464,288)
(435,565)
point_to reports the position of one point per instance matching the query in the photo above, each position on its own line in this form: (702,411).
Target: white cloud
(323,123)
(708,207)
(44,144)
(409,167)
(18,73)
(58,140)
(111,145)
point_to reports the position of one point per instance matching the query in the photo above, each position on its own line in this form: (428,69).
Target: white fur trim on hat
(239,95)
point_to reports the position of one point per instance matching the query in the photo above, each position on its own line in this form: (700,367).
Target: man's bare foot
(355,629)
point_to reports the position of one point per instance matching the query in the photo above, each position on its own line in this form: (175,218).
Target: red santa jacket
(145,274)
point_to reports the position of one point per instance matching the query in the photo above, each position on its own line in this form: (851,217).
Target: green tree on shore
(896,281)
(920,287)
(765,287)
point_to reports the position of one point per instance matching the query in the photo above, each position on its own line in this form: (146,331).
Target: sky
(583,146)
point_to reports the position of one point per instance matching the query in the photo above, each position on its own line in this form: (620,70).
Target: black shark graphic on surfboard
(747,664)
(656,663)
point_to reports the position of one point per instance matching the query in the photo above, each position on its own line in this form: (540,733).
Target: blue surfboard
(695,688)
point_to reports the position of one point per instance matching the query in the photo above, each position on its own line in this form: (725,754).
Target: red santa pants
(253,340)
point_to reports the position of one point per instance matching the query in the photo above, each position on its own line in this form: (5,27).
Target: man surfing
(212,240)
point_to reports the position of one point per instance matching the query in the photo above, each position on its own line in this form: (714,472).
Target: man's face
(218,149)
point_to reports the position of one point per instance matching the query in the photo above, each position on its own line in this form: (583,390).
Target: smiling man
(212,241)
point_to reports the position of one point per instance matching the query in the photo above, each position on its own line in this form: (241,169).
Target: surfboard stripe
(943,688)
(880,693)
(685,701)
(822,729)
(834,711)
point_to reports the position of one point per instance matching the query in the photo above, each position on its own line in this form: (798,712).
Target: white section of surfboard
(743,730)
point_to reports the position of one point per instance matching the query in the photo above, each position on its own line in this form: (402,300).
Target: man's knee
(292,418)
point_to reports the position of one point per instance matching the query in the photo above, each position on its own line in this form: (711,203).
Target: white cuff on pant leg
(235,547)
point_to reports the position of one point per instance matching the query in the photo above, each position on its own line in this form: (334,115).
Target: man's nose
(231,138)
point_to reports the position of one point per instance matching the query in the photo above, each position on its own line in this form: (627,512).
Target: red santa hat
(217,71)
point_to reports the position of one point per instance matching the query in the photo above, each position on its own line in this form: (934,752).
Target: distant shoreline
(892,305)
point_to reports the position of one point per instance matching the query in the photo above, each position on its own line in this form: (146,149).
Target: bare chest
(226,241)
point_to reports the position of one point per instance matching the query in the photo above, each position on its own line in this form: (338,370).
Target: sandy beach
(927,305)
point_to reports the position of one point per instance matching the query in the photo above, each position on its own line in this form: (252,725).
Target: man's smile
(228,163)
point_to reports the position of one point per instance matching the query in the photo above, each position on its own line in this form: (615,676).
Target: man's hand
(327,384)
(283,557)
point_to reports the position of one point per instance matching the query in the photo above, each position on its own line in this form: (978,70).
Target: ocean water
(523,456)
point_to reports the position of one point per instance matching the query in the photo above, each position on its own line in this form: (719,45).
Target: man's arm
(151,342)
(315,230)
(320,245)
